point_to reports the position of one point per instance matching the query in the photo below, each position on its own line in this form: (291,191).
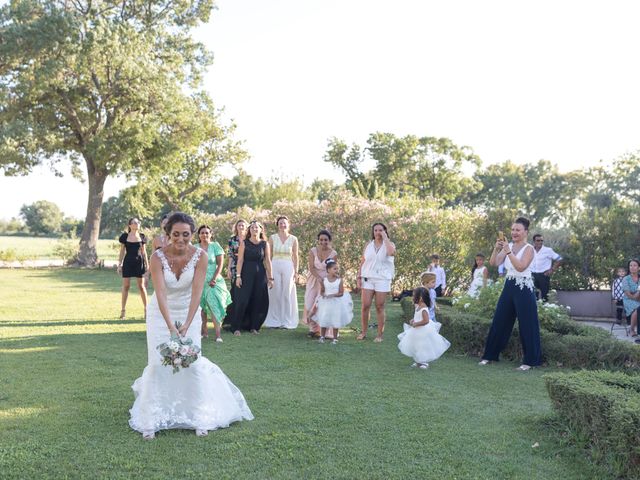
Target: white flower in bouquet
(177,361)
(174,346)
(184,350)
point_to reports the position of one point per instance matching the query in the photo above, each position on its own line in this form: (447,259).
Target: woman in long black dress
(253,279)
(132,262)
(239,234)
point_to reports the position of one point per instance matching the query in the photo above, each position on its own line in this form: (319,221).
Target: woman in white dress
(199,397)
(480,276)
(283,302)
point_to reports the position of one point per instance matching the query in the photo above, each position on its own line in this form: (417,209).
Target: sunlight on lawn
(20,412)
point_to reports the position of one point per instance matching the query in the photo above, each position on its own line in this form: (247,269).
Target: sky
(513,80)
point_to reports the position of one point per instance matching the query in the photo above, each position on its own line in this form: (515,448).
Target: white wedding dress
(199,397)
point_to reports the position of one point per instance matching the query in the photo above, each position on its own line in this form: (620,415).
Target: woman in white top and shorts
(374,277)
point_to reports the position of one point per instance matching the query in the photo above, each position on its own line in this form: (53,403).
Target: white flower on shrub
(454,301)
(467,305)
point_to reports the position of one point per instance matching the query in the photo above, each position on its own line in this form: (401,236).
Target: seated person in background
(617,294)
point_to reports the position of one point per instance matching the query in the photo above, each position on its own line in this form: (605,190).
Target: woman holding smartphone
(517,299)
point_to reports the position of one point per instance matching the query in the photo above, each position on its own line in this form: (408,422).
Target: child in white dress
(421,340)
(334,308)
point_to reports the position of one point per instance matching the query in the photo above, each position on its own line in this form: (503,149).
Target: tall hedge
(418,228)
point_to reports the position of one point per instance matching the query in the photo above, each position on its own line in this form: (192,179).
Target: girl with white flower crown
(420,339)
(334,308)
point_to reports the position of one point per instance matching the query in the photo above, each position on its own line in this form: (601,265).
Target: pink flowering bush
(417,227)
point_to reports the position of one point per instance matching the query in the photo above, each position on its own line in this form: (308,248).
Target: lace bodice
(331,288)
(524,278)
(178,286)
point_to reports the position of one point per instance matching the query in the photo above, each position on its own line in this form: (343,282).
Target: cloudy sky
(513,80)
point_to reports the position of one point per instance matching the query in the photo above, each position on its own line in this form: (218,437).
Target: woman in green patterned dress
(215,296)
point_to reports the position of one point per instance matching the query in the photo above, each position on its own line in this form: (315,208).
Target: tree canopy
(111,85)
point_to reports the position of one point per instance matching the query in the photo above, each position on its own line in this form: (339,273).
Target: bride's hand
(183,330)
(174,331)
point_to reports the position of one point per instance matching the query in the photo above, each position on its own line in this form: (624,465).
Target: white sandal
(202,433)
(484,362)
(524,368)
(150,435)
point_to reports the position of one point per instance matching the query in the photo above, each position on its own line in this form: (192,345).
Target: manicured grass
(352,410)
(33,248)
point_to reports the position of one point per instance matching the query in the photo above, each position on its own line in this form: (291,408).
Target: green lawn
(349,411)
(33,248)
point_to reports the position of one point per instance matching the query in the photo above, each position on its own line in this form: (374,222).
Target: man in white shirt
(545,262)
(441,277)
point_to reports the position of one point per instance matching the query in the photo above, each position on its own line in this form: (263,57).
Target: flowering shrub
(418,229)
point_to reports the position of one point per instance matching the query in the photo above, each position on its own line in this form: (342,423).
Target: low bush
(574,346)
(603,409)
(8,255)
(67,248)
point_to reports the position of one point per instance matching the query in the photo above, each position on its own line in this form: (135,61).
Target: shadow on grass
(98,281)
(66,322)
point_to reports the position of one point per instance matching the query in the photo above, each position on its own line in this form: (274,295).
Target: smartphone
(501,236)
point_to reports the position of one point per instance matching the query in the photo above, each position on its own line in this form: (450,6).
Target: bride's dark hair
(179,217)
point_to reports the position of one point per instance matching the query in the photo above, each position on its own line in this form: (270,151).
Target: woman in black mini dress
(132,262)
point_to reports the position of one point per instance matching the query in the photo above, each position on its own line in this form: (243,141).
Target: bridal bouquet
(178,352)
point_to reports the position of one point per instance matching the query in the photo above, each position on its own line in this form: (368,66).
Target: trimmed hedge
(573,345)
(604,409)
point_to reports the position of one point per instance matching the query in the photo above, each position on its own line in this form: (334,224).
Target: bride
(199,397)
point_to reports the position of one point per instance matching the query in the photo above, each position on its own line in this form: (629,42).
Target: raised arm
(157,276)
(498,255)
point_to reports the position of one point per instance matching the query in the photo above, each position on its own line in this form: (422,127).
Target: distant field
(34,248)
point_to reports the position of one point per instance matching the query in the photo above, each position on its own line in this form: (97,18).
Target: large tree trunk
(88,255)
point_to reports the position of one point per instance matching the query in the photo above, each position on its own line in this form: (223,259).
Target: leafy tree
(406,166)
(324,189)
(101,83)
(42,217)
(537,190)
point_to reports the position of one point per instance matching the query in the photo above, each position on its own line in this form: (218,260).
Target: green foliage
(115,86)
(603,408)
(67,248)
(406,166)
(563,345)
(60,382)
(537,190)
(42,217)
(552,317)
(8,255)
(417,228)
(12,226)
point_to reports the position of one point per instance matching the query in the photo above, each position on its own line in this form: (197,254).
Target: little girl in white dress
(334,307)
(421,340)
